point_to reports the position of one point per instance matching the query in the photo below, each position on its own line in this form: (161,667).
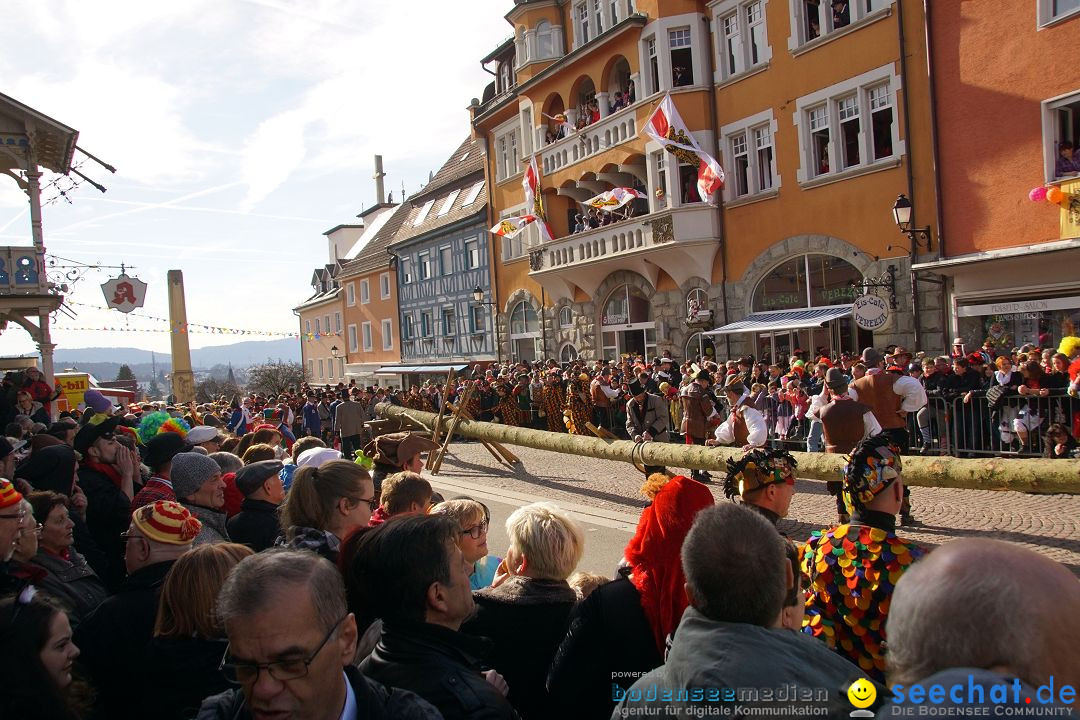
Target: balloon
(1054,195)
(1037,194)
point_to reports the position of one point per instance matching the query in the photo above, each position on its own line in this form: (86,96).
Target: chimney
(379,175)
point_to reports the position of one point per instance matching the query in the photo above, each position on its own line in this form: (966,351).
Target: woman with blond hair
(189,640)
(473,517)
(325,504)
(526,612)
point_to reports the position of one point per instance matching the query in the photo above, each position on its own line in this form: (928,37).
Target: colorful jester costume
(508,409)
(755,470)
(853,568)
(554,400)
(579,406)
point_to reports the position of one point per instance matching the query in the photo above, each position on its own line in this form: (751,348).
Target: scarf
(107,470)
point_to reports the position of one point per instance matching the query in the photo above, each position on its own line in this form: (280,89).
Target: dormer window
(505,77)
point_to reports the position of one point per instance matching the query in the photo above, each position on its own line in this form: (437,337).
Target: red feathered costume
(653,553)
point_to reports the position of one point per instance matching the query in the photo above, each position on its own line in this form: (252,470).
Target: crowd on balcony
(593,218)
(588,113)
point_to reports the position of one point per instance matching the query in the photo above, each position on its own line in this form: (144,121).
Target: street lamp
(334,351)
(478,296)
(920,237)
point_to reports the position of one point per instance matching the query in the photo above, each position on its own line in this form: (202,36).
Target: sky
(241,130)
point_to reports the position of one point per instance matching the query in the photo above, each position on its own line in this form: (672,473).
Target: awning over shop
(784,320)
(407,369)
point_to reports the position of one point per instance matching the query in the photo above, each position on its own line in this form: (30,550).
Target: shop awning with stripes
(784,320)
(407,369)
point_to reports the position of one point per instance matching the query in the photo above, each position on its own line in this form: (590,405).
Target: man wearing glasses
(114,637)
(291,647)
(11,517)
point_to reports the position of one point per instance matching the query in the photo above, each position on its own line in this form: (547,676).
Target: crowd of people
(147,571)
(274,556)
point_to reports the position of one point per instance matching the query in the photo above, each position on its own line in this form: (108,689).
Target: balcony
(604,134)
(682,242)
(22,271)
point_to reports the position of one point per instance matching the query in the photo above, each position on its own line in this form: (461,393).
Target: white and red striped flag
(530,182)
(667,128)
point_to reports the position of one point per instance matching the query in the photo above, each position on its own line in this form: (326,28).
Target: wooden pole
(1021,475)
(442,411)
(454,420)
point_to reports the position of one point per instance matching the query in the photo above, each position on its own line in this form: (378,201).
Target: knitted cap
(167,521)
(8,494)
(96,401)
(189,471)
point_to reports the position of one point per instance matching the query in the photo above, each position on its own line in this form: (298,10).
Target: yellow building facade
(819,112)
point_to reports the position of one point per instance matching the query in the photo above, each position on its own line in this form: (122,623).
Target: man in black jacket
(648,419)
(291,646)
(256,525)
(114,637)
(415,578)
(107,475)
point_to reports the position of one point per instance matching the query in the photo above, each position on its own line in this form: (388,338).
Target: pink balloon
(1037,194)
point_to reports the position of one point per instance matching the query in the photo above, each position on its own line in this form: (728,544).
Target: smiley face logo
(862,693)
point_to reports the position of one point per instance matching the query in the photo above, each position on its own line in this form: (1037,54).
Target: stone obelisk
(183,381)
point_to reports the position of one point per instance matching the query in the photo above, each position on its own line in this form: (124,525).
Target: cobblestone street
(1049,524)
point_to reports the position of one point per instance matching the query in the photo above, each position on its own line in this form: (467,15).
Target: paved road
(604,496)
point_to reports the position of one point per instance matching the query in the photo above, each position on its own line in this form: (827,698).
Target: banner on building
(667,128)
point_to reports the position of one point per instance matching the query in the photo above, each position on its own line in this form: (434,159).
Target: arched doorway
(568,353)
(626,325)
(700,347)
(524,332)
(806,282)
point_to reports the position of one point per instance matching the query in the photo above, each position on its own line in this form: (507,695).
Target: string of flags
(191,328)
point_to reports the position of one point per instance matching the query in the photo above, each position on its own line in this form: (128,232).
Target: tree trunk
(1022,475)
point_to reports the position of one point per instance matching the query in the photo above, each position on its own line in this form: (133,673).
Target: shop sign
(871,312)
(1016,307)
(124,293)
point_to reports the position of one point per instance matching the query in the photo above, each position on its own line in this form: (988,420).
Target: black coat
(191,664)
(440,665)
(373,702)
(114,639)
(609,642)
(256,525)
(527,620)
(108,514)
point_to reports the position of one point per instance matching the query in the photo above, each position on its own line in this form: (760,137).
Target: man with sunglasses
(764,481)
(107,475)
(296,664)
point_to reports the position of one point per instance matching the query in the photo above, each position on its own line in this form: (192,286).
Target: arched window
(545,44)
(697,303)
(626,306)
(807,281)
(700,347)
(568,353)
(566,317)
(524,332)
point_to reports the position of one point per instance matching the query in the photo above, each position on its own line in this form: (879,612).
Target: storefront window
(807,281)
(1012,324)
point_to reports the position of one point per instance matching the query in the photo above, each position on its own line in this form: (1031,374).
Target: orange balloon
(1054,195)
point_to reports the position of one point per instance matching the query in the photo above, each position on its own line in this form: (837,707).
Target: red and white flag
(511,226)
(667,128)
(530,182)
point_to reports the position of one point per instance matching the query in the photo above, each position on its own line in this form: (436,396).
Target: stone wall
(669,307)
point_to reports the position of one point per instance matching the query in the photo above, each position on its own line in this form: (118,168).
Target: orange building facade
(820,120)
(1008,113)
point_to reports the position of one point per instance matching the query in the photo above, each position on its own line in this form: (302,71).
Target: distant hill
(105,362)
